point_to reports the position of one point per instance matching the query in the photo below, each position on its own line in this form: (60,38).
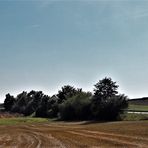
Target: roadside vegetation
(71,103)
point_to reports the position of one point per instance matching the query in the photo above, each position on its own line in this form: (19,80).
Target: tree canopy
(71,103)
(105,88)
(106,103)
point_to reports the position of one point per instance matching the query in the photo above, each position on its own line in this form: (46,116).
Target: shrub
(109,108)
(76,107)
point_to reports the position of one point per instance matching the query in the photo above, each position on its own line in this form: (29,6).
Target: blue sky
(45,44)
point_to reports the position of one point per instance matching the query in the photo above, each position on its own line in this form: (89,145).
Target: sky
(45,44)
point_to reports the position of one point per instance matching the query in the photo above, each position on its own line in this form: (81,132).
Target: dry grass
(9,115)
(73,135)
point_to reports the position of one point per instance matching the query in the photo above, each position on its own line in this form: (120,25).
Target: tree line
(71,103)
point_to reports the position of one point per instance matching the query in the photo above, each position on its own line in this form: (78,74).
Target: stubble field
(128,134)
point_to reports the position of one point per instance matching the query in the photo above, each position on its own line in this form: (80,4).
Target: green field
(138,107)
(134,117)
(28,120)
(21,120)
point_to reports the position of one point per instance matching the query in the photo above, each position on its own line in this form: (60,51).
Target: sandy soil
(69,135)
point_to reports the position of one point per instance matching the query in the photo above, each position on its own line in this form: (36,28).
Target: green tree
(9,102)
(20,103)
(106,104)
(105,88)
(67,91)
(34,102)
(42,109)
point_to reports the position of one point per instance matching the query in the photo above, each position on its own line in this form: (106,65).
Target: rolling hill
(139,101)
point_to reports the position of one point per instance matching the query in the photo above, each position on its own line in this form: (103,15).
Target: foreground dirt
(73,135)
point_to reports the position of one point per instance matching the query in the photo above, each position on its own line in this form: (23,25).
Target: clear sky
(45,44)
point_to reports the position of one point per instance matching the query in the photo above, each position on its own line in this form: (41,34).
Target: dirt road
(69,135)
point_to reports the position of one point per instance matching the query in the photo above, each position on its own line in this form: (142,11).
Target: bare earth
(73,135)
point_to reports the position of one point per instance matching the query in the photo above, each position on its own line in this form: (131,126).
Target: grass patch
(134,117)
(21,120)
(138,107)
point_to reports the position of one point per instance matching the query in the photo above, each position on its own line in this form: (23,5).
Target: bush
(76,107)
(110,108)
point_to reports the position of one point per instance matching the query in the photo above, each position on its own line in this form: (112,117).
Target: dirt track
(69,135)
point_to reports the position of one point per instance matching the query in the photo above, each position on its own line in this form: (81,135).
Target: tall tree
(105,88)
(67,92)
(106,104)
(9,102)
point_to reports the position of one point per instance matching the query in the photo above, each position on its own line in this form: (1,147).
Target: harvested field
(73,135)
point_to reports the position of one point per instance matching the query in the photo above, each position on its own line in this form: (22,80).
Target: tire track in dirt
(48,140)
(43,135)
(116,135)
(115,138)
(65,136)
(28,138)
(112,138)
